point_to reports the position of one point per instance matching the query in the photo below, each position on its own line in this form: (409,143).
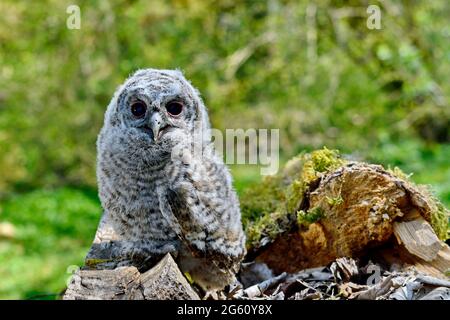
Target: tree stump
(163,282)
(331,208)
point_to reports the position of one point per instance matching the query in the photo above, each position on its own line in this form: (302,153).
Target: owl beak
(155,125)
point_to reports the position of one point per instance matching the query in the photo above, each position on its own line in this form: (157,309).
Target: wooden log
(350,210)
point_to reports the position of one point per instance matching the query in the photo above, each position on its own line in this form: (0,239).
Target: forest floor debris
(348,279)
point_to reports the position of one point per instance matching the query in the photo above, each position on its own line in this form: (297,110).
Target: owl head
(151,113)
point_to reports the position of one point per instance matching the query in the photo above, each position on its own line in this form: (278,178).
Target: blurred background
(311,68)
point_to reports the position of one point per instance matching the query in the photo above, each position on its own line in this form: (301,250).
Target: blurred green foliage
(53,231)
(311,68)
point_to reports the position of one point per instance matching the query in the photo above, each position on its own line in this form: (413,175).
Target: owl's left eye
(138,109)
(174,108)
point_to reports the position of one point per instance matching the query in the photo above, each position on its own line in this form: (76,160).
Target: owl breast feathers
(162,187)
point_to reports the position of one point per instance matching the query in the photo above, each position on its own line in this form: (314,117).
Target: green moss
(440,221)
(261,209)
(269,224)
(439,218)
(277,203)
(397,172)
(325,160)
(296,192)
(305,218)
(261,199)
(314,165)
(270,207)
(335,201)
(95,262)
(447,272)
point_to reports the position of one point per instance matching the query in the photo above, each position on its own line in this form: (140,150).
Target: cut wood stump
(163,282)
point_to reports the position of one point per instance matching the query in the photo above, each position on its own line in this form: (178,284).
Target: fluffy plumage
(159,196)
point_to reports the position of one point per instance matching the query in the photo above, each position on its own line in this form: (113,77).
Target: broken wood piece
(418,238)
(259,289)
(164,281)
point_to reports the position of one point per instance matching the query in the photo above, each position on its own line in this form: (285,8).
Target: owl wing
(189,231)
(207,215)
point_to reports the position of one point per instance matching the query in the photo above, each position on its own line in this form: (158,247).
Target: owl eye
(138,109)
(174,108)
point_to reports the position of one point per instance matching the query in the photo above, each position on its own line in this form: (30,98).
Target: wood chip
(259,289)
(418,238)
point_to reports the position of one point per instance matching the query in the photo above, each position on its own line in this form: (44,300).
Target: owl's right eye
(138,109)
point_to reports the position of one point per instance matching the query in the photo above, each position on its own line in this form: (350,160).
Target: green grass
(53,230)
(244,176)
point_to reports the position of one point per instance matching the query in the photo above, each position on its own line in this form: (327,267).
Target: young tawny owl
(162,187)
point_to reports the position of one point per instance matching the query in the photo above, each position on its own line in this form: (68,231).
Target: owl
(161,185)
